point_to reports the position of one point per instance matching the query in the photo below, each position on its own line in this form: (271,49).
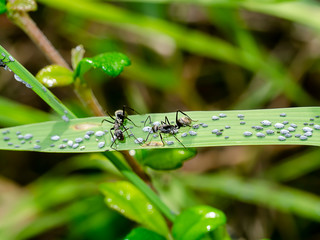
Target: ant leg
(146,120)
(126,107)
(161,138)
(106,120)
(147,136)
(185,115)
(166,120)
(111,116)
(113,140)
(179,141)
(132,122)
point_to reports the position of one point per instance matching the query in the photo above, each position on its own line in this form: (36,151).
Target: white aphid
(55,138)
(266,123)
(307,129)
(147,129)
(279,125)
(101,144)
(138,140)
(70,143)
(99,133)
(170,142)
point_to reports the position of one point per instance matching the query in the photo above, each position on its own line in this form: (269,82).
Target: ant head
(120,114)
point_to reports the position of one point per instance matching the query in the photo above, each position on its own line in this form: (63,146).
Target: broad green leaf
(143,234)
(164,159)
(54,136)
(259,192)
(112,63)
(3,7)
(125,198)
(199,221)
(55,76)
(76,55)
(22,5)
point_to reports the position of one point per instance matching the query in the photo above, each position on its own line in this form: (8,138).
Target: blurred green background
(191,55)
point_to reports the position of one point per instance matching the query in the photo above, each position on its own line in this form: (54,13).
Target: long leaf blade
(72,136)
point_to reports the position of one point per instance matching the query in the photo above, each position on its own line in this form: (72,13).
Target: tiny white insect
(55,138)
(279,125)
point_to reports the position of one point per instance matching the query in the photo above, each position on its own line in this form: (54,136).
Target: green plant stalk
(56,105)
(37,87)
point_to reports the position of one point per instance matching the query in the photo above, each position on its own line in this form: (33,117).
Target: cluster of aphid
(165,127)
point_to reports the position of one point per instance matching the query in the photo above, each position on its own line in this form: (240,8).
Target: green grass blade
(295,166)
(259,192)
(37,87)
(42,133)
(13,113)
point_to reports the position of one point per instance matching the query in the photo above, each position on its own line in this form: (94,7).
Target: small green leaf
(3,7)
(125,198)
(22,5)
(76,55)
(164,159)
(111,63)
(198,222)
(143,234)
(55,76)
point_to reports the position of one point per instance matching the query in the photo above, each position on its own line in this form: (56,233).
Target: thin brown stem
(23,20)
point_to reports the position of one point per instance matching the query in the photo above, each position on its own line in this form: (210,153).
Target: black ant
(3,63)
(118,124)
(164,127)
